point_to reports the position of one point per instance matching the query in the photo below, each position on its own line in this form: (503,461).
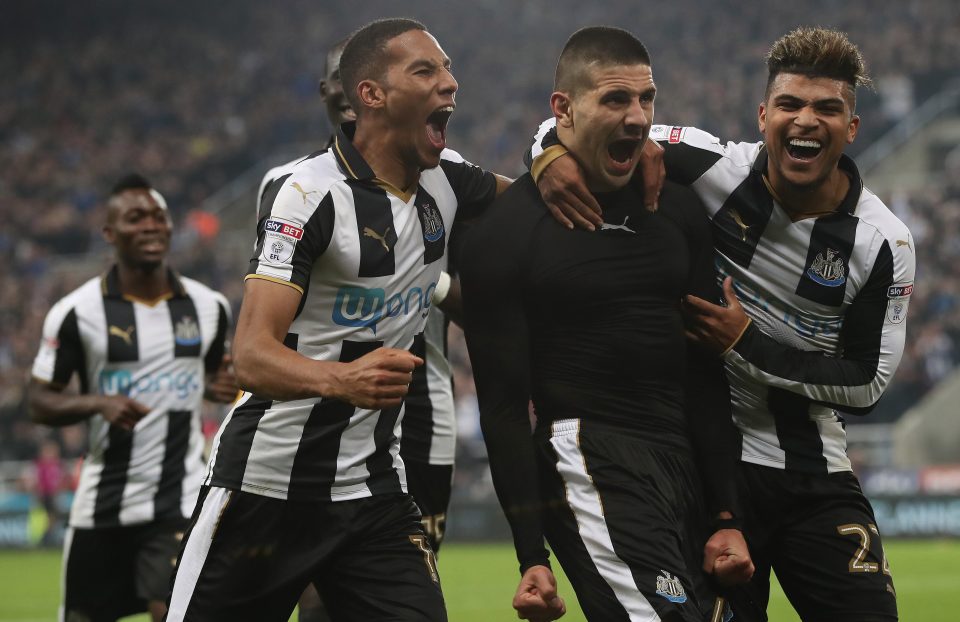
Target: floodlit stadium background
(204,98)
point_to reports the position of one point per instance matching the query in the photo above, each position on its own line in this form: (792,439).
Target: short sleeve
(61,350)
(295,234)
(474,187)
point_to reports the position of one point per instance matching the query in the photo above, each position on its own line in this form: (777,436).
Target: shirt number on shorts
(428,558)
(858,562)
(435,526)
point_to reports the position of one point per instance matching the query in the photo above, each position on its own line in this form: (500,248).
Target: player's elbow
(246,362)
(859,400)
(37,409)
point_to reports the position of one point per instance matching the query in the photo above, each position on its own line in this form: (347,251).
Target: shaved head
(593,47)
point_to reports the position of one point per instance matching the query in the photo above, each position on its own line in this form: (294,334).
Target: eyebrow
(793,99)
(428,62)
(620,90)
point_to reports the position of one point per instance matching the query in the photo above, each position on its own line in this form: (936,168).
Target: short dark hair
(593,46)
(818,53)
(364,56)
(130,181)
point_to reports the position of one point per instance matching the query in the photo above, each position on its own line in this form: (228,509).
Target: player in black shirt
(589,326)
(824,273)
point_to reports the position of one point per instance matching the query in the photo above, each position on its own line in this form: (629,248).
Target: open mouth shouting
(623,153)
(437,126)
(804,149)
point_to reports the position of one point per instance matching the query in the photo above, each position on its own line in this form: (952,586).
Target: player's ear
(762,117)
(370,94)
(322,89)
(109,235)
(852,128)
(562,107)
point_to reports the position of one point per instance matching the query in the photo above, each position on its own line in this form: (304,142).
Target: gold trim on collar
(336,145)
(148,302)
(403,195)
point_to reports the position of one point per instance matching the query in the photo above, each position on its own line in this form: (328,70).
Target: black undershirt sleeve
(498,341)
(715,439)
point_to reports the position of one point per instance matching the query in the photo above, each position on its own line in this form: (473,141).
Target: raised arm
(563,188)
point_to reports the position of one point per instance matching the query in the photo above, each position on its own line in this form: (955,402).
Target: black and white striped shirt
(429,419)
(828,297)
(366,258)
(156,354)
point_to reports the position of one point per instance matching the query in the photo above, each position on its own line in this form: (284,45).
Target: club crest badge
(432,223)
(187,332)
(670,587)
(827,269)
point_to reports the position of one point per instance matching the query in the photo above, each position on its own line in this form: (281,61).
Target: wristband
(739,337)
(542,161)
(442,289)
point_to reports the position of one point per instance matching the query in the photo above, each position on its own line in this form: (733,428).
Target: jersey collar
(349,159)
(846,164)
(110,284)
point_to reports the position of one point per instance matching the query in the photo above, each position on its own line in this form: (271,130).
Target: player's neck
(380,149)
(147,283)
(802,202)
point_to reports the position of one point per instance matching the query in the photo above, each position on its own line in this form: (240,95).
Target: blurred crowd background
(195,95)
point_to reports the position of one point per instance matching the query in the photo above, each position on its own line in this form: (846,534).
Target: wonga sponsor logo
(365,308)
(121,382)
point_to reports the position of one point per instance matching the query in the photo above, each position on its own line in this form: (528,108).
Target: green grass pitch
(479,580)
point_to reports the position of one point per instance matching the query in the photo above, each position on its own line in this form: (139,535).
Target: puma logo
(904,243)
(623,227)
(370,233)
(739,222)
(126,335)
(303,193)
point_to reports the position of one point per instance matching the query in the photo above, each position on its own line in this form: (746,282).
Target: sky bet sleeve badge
(899,295)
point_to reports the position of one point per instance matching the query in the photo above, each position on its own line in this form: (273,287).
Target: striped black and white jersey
(429,419)
(828,297)
(366,258)
(157,355)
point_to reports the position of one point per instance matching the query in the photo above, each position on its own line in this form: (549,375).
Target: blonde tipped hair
(818,53)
